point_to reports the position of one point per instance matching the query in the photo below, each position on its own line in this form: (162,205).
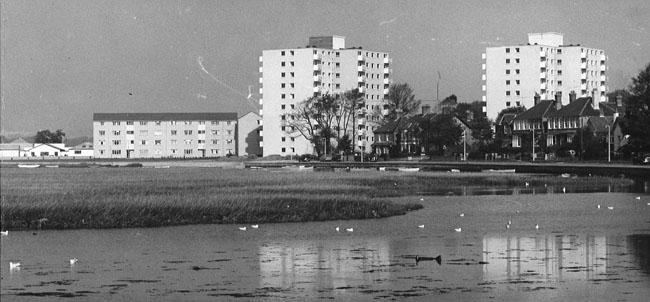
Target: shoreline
(128,197)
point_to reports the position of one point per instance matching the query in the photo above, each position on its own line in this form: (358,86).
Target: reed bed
(138,197)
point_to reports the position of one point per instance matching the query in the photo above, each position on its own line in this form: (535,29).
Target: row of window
(172,151)
(172,132)
(336,53)
(158,123)
(172,142)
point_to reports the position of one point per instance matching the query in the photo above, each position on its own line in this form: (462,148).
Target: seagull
(437,259)
(421,199)
(14,265)
(73,261)
(4,233)
(421,226)
(462,215)
(507,226)
(242,228)
(610,208)
(350,229)
(509,222)
(338,229)
(527,184)
(458,229)
(564,190)
(637,198)
(537,226)
(599,206)
(255,226)
(250,94)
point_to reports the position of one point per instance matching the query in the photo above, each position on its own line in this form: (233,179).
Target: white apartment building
(513,74)
(325,66)
(159,135)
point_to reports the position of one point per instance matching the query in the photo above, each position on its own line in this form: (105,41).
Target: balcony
(388,60)
(483,66)
(261,112)
(583,76)
(583,55)
(261,59)
(483,88)
(603,58)
(483,56)
(261,101)
(317,57)
(317,89)
(360,58)
(542,75)
(386,91)
(542,54)
(583,86)
(317,68)
(583,65)
(603,88)
(386,81)
(261,69)
(318,78)
(361,79)
(388,70)
(261,81)
(361,68)
(261,90)
(361,132)
(603,78)
(360,143)
(603,67)
(361,89)
(361,121)
(542,86)
(543,64)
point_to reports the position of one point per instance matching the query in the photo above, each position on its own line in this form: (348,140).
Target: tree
(472,114)
(438,132)
(638,113)
(47,137)
(400,102)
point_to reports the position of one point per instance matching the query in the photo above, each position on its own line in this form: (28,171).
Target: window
(507,71)
(283,96)
(291,52)
(201,131)
(101,151)
(517,60)
(201,122)
(116,142)
(282,74)
(129,132)
(188,132)
(188,141)
(214,122)
(507,92)
(507,104)
(338,64)
(157,142)
(188,151)
(282,106)
(559,62)
(201,141)
(517,92)
(284,150)
(215,141)
(517,71)
(559,72)
(559,83)
(228,141)
(143,123)
(282,85)
(284,139)
(214,151)
(129,122)
(282,53)
(102,132)
(116,152)
(293,85)
(517,82)
(158,123)
(116,132)
(173,142)
(292,63)
(507,50)
(507,82)
(282,63)
(173,151)
(518,104)
(144,142)
(228,123)
(101,142)
(173,132)
(116,123)
(229,132)
(559,51)
(507,61)
(517,49)
(215,132)
(101,123)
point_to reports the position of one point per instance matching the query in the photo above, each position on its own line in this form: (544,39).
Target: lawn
(69,198)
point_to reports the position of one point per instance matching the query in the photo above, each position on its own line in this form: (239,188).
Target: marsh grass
(128,197)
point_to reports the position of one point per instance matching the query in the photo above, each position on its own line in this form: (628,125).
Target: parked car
(306,158)
(366,157)
(646,161)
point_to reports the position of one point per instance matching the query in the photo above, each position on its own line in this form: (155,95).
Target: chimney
(594,103)
(558,100)
(619,102)
(536,98)
(572,96)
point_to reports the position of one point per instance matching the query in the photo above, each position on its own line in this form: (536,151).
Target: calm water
(579,252)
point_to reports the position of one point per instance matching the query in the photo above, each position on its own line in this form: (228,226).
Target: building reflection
(327,264)
(550,257)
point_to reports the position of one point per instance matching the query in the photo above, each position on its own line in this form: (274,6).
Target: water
(580,252)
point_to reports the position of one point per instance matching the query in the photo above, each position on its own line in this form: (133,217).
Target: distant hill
(73,141)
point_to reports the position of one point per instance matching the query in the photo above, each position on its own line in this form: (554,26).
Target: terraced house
(159,135)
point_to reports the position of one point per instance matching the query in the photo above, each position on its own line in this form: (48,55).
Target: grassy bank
(138,197)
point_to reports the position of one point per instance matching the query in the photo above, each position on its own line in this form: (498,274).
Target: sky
(63,60)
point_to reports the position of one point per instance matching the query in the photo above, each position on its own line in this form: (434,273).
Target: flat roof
(183,116)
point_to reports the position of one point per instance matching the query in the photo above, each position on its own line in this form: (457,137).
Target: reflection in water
(329,264)
(549,258)
(639,247)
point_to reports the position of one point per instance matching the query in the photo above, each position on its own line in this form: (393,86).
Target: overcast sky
(63,60)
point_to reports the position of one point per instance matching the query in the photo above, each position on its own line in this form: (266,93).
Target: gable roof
(579,107)
(47,145)
(182,116)
(539,111)
(389,127)
(599,123)
(506,118)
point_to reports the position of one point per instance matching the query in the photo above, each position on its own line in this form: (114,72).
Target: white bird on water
(14,265)
(338,229)
(458,230)
(73,261)
(537,226)
(507,226)
(564,190)
(255,226)
(462,215)
(610,208)
(242,228)
(4,233)
(421,226)
(599,206)
(350,229)
(638,198)
(527,184)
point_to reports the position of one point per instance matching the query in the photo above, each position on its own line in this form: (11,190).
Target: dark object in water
(437,259)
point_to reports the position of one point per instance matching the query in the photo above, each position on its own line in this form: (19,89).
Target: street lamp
(609,144)
(533,128)
(464,145)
